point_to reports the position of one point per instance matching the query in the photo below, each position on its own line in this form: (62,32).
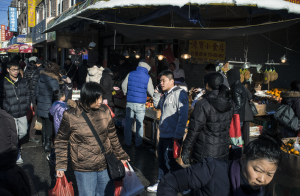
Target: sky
(3,11)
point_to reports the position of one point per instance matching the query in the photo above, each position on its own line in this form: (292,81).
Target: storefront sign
(21,38)
(294,1)
(31,13)
(37,35)
(205,50)
(3,38)
(12,11)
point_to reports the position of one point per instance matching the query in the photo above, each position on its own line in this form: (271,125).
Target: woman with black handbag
(95,150)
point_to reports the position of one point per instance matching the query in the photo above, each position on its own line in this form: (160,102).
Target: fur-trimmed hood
(72,103)
(290,94)
(52,75)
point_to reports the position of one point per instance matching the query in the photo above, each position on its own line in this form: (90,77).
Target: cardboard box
(263,108)
(287,177)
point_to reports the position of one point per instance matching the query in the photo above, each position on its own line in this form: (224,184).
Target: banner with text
(31,13)
(3,38)
(294,1)
(206,50)
(12,11)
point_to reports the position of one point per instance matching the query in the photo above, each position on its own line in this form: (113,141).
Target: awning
(157,32)
(20,48)
(92,7)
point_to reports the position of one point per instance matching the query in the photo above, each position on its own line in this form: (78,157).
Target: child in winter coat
(57,111)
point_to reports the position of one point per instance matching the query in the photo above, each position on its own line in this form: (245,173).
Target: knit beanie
(214,80)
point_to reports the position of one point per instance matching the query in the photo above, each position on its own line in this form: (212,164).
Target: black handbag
(115,167)
(253,108)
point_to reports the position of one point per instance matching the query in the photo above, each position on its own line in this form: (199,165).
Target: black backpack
(285,115)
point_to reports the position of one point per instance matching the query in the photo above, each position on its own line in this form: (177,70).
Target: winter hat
(233,75)
(214,80)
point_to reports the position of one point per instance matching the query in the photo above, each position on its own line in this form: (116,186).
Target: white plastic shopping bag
(297,145)
(132,186)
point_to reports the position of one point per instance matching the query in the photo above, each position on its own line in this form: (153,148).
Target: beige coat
(94,74)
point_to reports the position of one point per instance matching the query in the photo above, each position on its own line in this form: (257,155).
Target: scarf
(239,182)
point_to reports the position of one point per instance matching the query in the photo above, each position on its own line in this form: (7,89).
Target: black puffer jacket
(8,141)
(293,98)
(47,84)
(35,79)
(239,97)
(107,82)
(208,132)
(15,97)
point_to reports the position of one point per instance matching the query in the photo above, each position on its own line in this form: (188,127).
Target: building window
(44,11)
(72,2)
(37,16)
(50,11)
(58,6)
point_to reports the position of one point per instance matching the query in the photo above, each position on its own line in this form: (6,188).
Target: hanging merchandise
(275,74)
(168,53)
(266,77)
(247,74)
(242,76)
(272,76)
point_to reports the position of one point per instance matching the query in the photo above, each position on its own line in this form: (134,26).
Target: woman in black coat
(48,83)
(107,83)
(242,177)
(248,118)
(208,132)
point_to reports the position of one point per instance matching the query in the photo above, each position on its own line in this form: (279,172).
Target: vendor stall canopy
(157,19)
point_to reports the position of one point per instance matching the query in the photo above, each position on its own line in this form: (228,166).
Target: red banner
(294,1)
(3,38)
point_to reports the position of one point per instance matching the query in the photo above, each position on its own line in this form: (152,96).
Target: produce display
(149,103)
(289,147)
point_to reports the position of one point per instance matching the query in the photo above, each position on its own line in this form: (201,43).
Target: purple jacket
(57,111)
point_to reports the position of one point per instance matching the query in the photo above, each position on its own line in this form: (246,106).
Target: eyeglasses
(14,70)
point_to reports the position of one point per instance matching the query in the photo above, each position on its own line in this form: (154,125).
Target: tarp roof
(157,32)
(90,7)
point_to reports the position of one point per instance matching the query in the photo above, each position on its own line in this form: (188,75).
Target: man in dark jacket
(13,180)
(107,83)
(15,98)
(82,72)
(208,132)
(34,80)
(125,68)
(238,93)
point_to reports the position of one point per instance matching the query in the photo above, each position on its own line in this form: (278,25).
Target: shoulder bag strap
(86,118)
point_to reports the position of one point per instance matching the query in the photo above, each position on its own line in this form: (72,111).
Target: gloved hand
(185,156)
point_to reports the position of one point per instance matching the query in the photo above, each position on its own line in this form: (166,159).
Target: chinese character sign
(3,38)
(294,1)
(12,11)
(31,13)
(201,50)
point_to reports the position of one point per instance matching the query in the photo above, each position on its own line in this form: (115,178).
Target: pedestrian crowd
(86,127)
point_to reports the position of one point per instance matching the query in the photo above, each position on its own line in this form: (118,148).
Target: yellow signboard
(294,1)
(31,13)
(206,50)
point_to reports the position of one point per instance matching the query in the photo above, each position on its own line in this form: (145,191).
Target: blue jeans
(166,160)
(138,110)
(94,183)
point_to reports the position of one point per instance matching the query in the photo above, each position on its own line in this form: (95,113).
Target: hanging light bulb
(160,56)
(137,54)
(185,55)
(246,65)
(126,54)
(283,59)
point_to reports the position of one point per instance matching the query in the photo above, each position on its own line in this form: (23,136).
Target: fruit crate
(266,122)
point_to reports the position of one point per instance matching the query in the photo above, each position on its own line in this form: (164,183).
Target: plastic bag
(111,112)
(30,113)
(132,186)
(62,188)
(176,149)
(235,131)
(297,145)
(118,187)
